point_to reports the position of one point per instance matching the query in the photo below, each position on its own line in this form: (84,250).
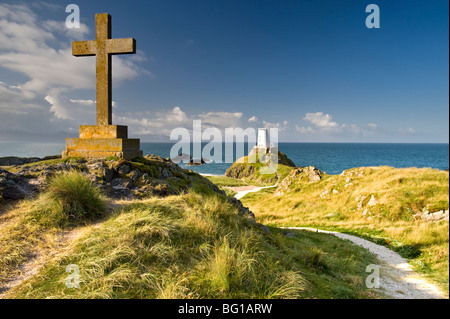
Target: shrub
(69,199)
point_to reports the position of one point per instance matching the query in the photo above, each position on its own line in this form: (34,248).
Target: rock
(314,174)
(182,157)
(164,173)
(161,190)
(12,160)
(372,201)
(108,174)
(432,217)
(283,187)
(324,193)
(129,184)
(10,190)
(94,166)
(146,179)
(156,158)
(5,173)
(360,200)
(135,175)
(124,169)
(243,211)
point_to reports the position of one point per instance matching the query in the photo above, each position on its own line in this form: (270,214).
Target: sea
(332,158)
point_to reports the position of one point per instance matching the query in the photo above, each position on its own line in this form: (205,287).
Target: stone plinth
(103,131)
(102,141)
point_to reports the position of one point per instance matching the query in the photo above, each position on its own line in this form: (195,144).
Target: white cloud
(66,109)
(253,119)
(323,125)
(41,51)
(31,46)
(83,102)
(321,120)
(221,119)
(162,123)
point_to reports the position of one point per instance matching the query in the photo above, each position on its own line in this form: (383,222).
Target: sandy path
(241,191)
(34,264)
(62,247)
(397,277)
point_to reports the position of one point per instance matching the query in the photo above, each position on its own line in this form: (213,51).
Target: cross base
(97,141)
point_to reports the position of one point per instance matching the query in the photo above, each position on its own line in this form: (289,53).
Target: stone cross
(103,47)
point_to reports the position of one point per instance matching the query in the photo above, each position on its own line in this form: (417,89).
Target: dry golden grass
(341,202)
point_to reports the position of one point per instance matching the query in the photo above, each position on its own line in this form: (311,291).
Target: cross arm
(83,48)
(121,46)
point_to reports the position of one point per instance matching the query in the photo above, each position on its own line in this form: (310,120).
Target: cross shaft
(103,47)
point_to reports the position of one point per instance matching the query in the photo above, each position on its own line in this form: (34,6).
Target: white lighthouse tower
(262,139)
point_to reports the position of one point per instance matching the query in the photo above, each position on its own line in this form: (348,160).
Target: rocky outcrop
(314,174)
(117,178)
(185,158)
(243,211)
(240,170)
(260,170)
(309,174)
(12,186)
(432,217)
(13,160)
(284,185)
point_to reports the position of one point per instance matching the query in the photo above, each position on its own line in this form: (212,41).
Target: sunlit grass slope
(194,245)
(376,202)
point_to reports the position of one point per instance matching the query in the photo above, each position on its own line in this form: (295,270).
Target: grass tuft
(70,199)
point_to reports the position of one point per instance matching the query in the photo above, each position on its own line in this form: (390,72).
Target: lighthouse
(262,139)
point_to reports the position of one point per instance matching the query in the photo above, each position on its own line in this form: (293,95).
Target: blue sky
(311,68)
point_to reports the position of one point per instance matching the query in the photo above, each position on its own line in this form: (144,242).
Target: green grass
(73,160)
(249,170)
(400,194)
(226,181)
(69,200)
(339,267)
(187,246)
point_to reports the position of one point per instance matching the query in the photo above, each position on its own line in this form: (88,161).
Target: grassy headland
(257,172)
(382,204)
(196,244)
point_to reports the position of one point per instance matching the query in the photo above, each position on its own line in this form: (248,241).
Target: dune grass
(341,202)
(187,246)
(69,200)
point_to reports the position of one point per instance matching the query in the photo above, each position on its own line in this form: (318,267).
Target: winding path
(241,191)
(397,277)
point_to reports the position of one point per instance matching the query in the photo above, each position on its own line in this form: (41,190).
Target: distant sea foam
(332,158)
